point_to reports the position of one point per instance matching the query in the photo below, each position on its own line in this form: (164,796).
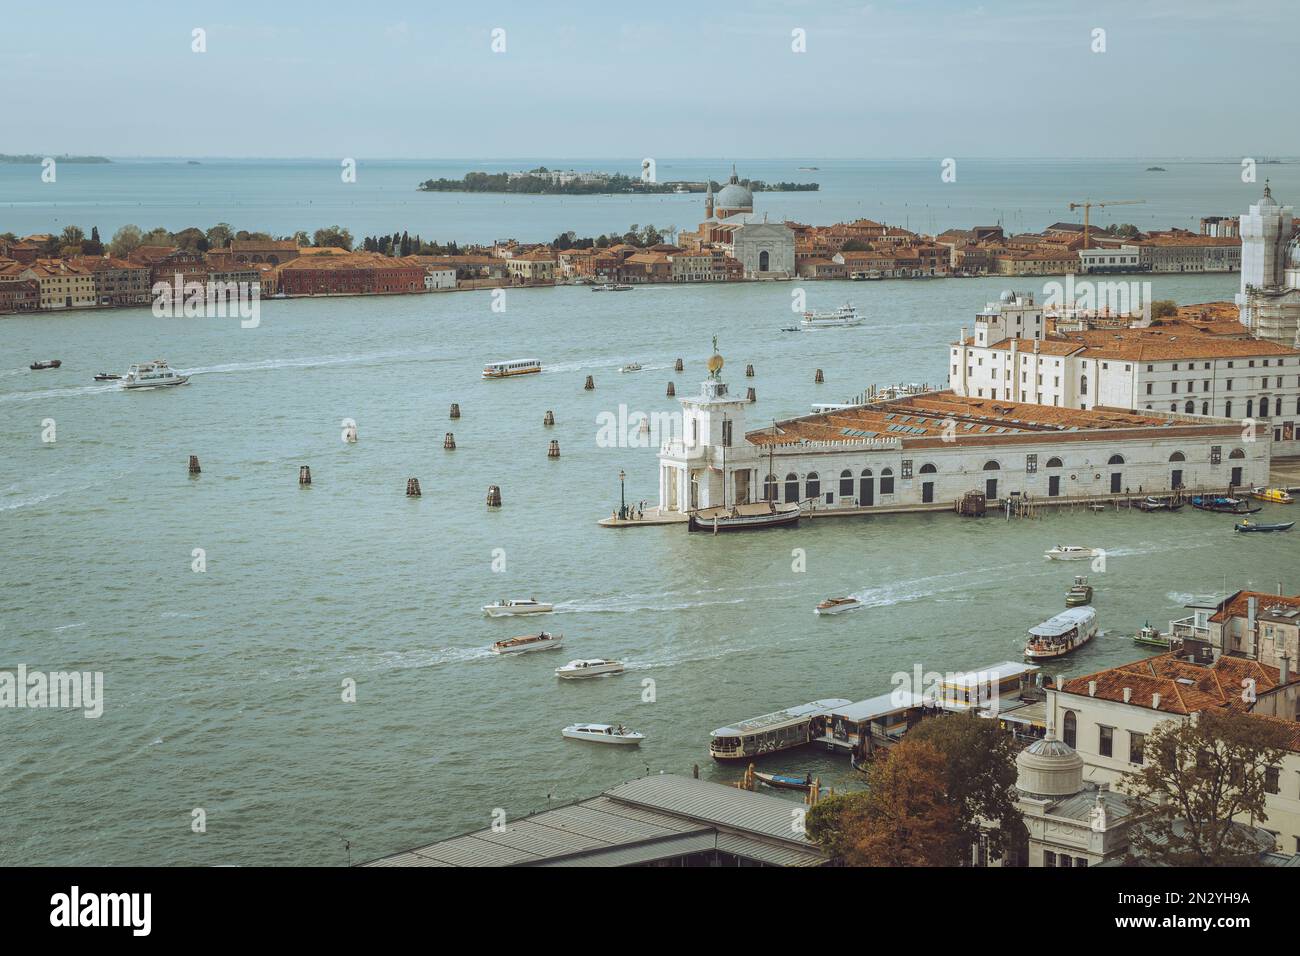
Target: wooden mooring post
(589,384)
(549,418)
(194,465)
(672,390)
(304,475)
(412,487)
(449,441)
(554,450)
(455,410)
(494,496)
(678,366)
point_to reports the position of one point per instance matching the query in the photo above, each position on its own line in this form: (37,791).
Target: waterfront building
(273,251)
(64,285)
(1101,259)
(1262,627)
(20,295)
(1107,716)
(927,450)
(535,267)
(658,820)
(1178,250)
(437,278)
(1269,300)
(1018,353)
(764,250)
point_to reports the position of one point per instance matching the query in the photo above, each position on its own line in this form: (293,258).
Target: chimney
(1284,667)
(1128,694)
(1155,701)
(1092,688)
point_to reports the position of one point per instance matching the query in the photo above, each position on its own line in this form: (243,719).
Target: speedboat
(1071,552)
(107,377)
(843,317)
(633,367)
(590,667)
(1062,634)
(544,641)
(155,374)
(1080,593)
(1248,525)
(1279,496)
(603,734)
(42,366)
(517,606)
(837,605)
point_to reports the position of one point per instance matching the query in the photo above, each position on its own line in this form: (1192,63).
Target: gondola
(784,780)
(1223,505)
(1255,526)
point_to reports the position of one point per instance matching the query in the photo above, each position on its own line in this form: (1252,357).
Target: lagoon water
(283,196)
(224,687)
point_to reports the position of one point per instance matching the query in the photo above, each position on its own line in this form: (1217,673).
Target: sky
(909,78)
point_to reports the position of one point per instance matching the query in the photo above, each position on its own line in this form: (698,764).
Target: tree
(904,819)
(856,245)
(220,235)
(124,241)
(157,236)
(333,236)
(72,236)
(979,760)
(1201,779)
(1164,309)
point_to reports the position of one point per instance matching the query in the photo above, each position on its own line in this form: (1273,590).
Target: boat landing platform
(649,518)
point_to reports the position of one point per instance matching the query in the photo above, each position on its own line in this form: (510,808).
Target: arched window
(886,481)
(1069,728)
(762,261)
(928,469)
(1054,463)
(770,488)
(1250,408)
(1227,409)
(1205,408)
(1190,407)
(1178,456)
(1116,460)
(992,466)
(1236,453)
(1083,385)
(1263,407)
(791,487)
(846,484)
(814,486)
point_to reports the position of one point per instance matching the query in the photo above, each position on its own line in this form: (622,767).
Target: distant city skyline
(875,81)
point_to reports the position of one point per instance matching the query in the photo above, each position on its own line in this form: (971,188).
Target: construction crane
(1087,205)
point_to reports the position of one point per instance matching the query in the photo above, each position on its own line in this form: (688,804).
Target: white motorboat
(155,374)
(603,734)
(632,367)
(837,605)
(590,667)
(544,641)
(517,606)
(1060,635)
(843,317)
(1071,552)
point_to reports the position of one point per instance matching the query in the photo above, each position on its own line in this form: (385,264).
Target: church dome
(734,196)
(1049,768)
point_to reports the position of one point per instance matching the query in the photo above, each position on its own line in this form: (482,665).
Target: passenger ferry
(846,315)
(155,374)
(1069,630)
(769,733)
(509,369)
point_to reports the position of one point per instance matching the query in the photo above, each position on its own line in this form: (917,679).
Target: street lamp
(622,494)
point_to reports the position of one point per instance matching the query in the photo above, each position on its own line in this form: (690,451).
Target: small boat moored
(1153,503)
(1080,593)
(1071,552)
(1248,525)
(589,667)
(1060,635)
(837,605)
(42,366)
(504,608)
(603,734)
(1222,504)
(785,781)
(543,641)
(746,517)
(155,374)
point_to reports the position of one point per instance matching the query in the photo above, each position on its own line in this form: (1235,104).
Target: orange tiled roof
(1238,604)
(1184,687)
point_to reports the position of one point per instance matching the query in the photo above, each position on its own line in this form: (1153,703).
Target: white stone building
(1017,353)
(1269,300)
(930,449)
(439,277)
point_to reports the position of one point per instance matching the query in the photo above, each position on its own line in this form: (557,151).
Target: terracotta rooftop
(1184,687)
(920,420)
(1239,604)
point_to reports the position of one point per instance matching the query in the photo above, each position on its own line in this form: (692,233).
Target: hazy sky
(665,78)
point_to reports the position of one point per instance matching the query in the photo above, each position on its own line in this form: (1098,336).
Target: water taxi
(505,608)
(1150,636)
(837,605)
(1248,525)
(769,733)
(746,517)
(632,367)
(1080,593)
(843,317)
(1060,635)
(603,734)
(512,368)
(544,641)
(42,366)
(155,374)
(1279,496)
(1071,552)
(591,667)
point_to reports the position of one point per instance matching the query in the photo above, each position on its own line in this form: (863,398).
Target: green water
(223,688)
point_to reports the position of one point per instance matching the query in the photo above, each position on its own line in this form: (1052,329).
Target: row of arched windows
(812,486)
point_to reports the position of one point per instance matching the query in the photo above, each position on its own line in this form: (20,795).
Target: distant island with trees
(31,159)
(543,182)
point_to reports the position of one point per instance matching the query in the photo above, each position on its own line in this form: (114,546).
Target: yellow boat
(1279,496)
